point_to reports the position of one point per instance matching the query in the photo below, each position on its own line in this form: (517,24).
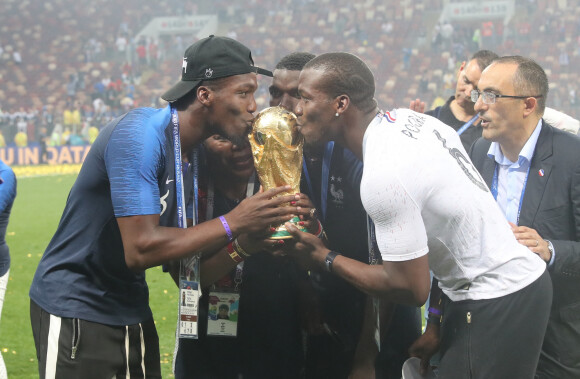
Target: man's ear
(530,106)
(205,95)
(461,68)
(342,103)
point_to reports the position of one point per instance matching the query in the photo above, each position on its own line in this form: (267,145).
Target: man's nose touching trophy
(277,149)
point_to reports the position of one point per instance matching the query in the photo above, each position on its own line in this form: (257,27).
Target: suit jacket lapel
(540,170)
(487,170)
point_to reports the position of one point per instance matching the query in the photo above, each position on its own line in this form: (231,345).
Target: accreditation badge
(189,294)
(224,303)
(222,315)
(188,309)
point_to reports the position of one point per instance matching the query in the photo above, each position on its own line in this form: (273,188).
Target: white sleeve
(400,229)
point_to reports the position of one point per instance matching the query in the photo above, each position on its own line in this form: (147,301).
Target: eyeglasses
(489,97)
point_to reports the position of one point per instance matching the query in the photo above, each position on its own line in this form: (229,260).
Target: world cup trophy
(277,150)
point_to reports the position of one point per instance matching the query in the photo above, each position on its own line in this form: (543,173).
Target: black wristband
(329,259)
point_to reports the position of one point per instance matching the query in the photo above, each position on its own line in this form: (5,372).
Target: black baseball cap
(212,58)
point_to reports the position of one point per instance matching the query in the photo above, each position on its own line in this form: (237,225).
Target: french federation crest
(336,193)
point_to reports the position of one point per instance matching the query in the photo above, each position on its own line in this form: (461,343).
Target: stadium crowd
(91,62)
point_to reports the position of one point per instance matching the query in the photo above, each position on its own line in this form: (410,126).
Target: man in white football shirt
(432,211)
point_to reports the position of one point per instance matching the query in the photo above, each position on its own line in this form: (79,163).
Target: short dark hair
(346,74)
(530,79)
(483,58)
(294,61)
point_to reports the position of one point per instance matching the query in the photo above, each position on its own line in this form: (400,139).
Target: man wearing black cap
(126,212)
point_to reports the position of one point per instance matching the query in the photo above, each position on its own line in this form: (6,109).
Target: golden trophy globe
(277,150)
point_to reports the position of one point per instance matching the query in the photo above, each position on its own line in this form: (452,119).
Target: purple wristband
(227,228)
(435,311)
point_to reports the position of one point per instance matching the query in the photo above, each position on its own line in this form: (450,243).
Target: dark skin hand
(426,346)
(256,213)
(303,210)
(147,244)
(308,220)
(218,263)
(405,282)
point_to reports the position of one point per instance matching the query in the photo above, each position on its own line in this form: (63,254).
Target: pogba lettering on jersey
(413,126)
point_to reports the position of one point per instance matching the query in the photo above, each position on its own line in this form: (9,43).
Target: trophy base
(281,233)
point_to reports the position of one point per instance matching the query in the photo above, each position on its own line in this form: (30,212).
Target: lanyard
(324,180)
(467,125)
(189,287)
(179,189)
(180,195)
(195,185)
(494,188)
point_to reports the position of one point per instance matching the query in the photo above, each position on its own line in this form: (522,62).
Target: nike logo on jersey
(163,203)
(168,181)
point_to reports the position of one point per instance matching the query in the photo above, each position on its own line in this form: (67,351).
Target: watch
(329,259)
(550,249)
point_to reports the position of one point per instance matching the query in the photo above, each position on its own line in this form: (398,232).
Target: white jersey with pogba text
(425,196)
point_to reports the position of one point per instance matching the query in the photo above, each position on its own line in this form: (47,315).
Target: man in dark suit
(533,171)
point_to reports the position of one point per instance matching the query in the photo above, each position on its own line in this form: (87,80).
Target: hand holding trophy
(277,150)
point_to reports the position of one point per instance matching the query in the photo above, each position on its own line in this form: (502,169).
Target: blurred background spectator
(78,64)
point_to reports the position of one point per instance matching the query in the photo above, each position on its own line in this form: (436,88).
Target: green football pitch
(34,219)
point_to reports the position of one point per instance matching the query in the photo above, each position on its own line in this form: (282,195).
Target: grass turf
(35,215)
